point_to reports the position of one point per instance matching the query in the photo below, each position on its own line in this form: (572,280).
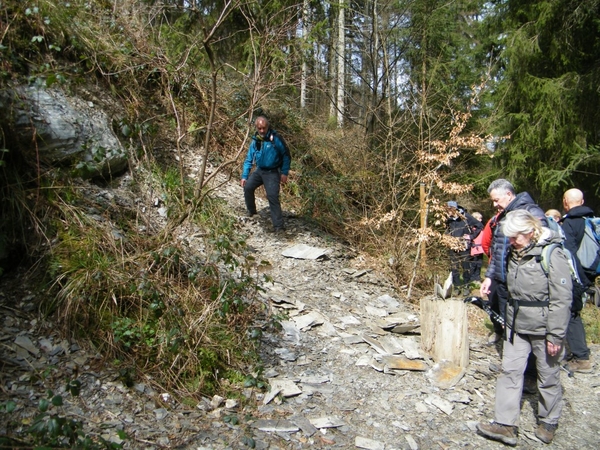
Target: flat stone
(24,342)
(439,402)
(369,444)
(271,425)
(307,428)
(403,363)
(445,374)
(376,312)
(388,301)
(411,442)
(303,251)
(375,344)
(308,320)
(286,354)
(412,348)
(391,344)
(327,422)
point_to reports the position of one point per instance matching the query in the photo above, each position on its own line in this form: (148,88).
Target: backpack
(579,290)
(554,226)
(588,252)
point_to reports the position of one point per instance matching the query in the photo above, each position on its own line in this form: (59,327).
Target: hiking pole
(478,301)
(566,369)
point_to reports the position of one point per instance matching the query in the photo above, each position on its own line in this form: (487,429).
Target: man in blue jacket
(272,159)
(505,199)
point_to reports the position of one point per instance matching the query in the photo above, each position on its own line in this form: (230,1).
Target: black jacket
(463,224)
(573,225)
(496,269)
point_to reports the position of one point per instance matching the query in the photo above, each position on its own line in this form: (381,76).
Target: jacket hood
(549,236)
(520,200)
(580,211)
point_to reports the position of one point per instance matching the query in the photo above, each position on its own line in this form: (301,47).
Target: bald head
(572,198)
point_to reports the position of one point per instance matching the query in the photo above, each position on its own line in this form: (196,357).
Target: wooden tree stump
(444,330)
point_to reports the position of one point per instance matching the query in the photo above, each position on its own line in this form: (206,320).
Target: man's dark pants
(576,337)
(270,179)
(460,264)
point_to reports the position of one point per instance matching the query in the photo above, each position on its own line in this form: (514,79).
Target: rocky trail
(331,369)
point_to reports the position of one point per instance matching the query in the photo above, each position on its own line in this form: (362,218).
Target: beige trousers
(509,385)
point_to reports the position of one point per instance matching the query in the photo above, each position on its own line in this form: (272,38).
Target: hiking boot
(250,213)
(503,433)
(580,365)
(530,385)
(545,432)
(279,230)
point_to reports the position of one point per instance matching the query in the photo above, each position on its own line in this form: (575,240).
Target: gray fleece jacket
(528,283)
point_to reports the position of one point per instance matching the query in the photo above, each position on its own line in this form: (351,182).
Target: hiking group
(535,281)
(536,284)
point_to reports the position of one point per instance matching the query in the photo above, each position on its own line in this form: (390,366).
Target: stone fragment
(388,301)
(231,403)
(287,388)
(286,354)
(290,330)
(369,444)
(403,329)
(442,404)
(376,312)
(303,251)
(349,320)
(375,344)
(351,339)
(275,426)
(24,342)
(308,320)
(315,379)
(160,413)
(411,442)
(377,365)
(364,360)
(216,401)
(307,428)
(327,422)
(403,363)
(391,344)
(445,374)
(411,348)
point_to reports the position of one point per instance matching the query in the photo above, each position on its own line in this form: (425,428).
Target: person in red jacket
(487,234)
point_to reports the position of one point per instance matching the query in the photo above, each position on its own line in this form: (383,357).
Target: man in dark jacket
(272,159)
(573,225)
(463,226)
(502,194)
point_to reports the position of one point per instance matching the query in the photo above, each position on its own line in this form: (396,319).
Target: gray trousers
(510,382)
(270,179)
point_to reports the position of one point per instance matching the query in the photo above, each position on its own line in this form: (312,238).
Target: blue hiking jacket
(267,154)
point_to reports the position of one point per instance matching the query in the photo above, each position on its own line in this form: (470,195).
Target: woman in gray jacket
(537,316)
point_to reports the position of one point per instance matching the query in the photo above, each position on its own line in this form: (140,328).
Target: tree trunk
(304,74)
(341,69)
(444,330)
